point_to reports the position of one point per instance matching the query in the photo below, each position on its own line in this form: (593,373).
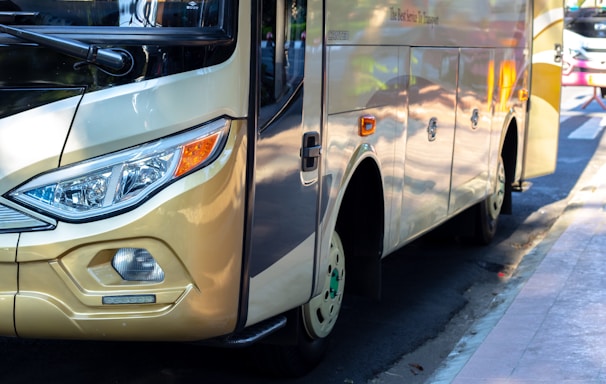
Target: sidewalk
(554,329)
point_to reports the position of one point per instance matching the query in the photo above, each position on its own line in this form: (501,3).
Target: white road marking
(589,130)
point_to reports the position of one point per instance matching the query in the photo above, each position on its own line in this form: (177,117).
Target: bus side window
(282,53)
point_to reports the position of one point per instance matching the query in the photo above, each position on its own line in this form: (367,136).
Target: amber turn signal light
(367,126)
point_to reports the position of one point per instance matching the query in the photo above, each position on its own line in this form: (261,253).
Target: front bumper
(583,73)
(53,283)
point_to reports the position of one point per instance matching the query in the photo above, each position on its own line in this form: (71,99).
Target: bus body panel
(425,23)
(544,116)
(136,117)
(362,77)
(37,137)
(472,146)
(283,241)
(499,26)
(367,81)
(511,78)
(430,138)
(497,83)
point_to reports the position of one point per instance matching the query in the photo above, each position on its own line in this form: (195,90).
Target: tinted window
(282,54)
(112,13)
(588,22)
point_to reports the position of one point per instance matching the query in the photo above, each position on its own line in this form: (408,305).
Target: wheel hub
(320,314)
(496,200)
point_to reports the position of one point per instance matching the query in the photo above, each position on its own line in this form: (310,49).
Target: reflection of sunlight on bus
(378,18)
(282,152)
(507,82)
(25,135)
(428,89)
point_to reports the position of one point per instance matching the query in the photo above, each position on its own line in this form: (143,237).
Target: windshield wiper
(90,53)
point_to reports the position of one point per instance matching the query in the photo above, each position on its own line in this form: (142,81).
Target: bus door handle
(475,119)
(432,129)
(310,151)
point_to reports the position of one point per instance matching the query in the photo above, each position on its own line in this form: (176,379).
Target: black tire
(487,211)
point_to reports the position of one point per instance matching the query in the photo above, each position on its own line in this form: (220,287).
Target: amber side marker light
(194,154)
(523,94)
(368,125)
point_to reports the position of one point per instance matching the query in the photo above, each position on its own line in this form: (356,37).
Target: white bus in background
(227,170)
(584,38)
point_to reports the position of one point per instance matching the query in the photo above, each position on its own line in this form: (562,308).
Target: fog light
(137,264)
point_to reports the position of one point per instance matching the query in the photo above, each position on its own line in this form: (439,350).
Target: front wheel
(319,316)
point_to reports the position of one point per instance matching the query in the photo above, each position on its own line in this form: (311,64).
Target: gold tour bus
(222,171)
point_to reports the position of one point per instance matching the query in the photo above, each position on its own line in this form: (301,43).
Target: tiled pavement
(554,331)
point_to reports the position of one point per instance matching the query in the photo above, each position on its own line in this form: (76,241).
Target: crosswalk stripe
(588,131)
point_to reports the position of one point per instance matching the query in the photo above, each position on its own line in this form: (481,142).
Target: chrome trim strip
(11,219)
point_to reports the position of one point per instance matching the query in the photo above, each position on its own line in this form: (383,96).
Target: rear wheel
(319,316)
(488,211)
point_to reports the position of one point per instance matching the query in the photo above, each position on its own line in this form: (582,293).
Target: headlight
(121,180)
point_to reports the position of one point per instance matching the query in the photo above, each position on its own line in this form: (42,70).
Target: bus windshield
(588,20)
(145,38)
(113,13)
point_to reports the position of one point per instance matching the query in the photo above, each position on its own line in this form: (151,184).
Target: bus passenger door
(430,136)
(285,187)
(543,124)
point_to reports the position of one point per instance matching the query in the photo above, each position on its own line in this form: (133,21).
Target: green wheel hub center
(334,283)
